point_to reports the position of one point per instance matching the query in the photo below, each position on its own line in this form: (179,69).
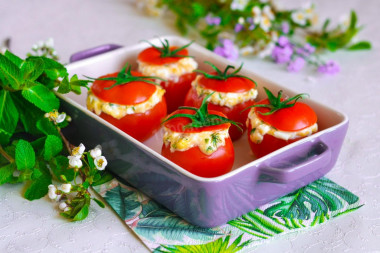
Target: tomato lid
(125,94)
(231,84)
(178,124)
(153,56)
(290,119)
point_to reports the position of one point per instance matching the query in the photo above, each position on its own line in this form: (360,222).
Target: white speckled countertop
(76,25)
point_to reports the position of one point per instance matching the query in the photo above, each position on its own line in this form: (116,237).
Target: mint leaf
(47,127)
(100,203)
(59,166)
(32,68)
(41,97)
(82,214)
(8,117)
(25,156)
(38,188)
(28,113)
(76,84)
(6,173)
(52,69)
(53,146)
(11,72)
(13,58)
(353,20)
(104,179)
(362,45)
(64,87)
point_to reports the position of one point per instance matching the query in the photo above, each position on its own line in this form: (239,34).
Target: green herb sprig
(202,118)
(166,51)
(276,104)
(223,75)
(125,76)
(33,149)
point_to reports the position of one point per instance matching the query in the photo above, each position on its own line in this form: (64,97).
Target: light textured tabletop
(76,25)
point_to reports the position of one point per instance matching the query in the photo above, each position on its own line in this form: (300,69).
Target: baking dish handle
(296,163)
(87,53)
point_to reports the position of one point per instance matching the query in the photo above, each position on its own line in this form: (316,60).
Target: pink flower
(296,65)
(282,54)
(330,68)
(227,50)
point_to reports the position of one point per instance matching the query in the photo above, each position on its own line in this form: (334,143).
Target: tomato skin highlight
(195,161)
(176,91)
(153,56)
(140,126)
(234,113)
(293,118)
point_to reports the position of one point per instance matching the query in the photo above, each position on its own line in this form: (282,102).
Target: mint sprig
(125,76)
(202,118)
(33,149)
(223,75)
(165,50)
(275,103)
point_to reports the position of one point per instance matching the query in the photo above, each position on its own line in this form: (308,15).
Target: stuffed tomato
(174,66)
(129,101)
(231,94)
(275,122)
(198,141)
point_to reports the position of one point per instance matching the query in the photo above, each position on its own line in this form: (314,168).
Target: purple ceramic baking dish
(206,202)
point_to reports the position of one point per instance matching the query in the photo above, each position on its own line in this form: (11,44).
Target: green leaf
(60,166)
(353,20)
(100,203)
(8,117)
(32,68)
(38,188)
(14,58)
(82,214)
(36,174)
(53,146)
(41,97)
(64,86)
(6,173)
(362,45)
(25,156)
(28,113)
(104,179)
(47,127)
(52,68)
(10,72)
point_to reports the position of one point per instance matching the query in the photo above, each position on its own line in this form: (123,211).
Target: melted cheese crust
(207,141)
(119,111)
(229,99)
(170,71)
(261,128)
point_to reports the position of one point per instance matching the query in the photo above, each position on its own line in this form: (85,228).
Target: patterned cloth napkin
(163,231)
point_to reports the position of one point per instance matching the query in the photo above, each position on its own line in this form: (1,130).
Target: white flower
(96,152)
(256,11)
(267,11)
(66,188)
(100,162)
(49,42)
(299,17)
(62,205)
(52,193)
(241,20)
(35,47)
(40,43)
(265,23)
(55,116)
(267,51)
(78,151)
(246,50)
(75,162)
(308,9)
(238,4)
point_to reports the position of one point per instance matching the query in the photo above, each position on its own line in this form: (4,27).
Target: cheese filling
(207,141)
(119,111)
(171,71)
(260,128)
(228,99)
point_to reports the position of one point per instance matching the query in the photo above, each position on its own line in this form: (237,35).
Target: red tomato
(235,113)
(193,159)
(140,126)
(291,119)
(175,90)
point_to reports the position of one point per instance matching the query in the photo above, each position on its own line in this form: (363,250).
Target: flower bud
(66,188)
